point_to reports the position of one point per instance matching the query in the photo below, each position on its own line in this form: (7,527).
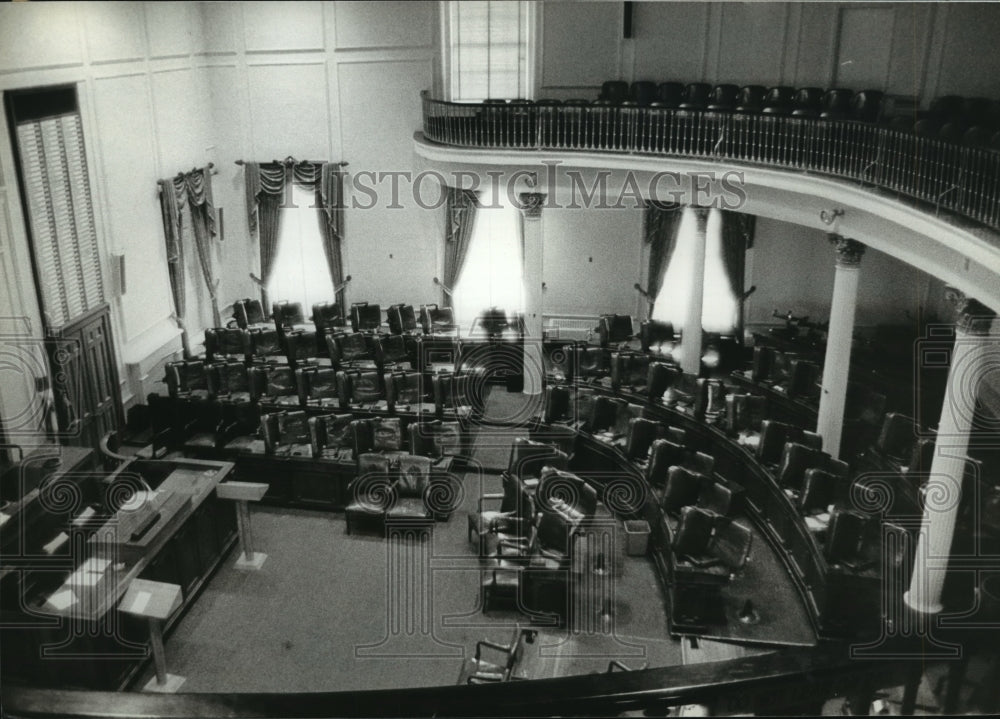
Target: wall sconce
(829,217)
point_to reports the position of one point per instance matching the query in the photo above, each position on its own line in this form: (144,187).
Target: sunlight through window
(719,304)
(493,274)
(301,273)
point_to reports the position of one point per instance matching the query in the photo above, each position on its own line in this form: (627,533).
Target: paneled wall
(920,50)
(327,81)
(143,101)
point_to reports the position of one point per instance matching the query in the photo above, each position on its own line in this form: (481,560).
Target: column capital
(971,316)
(531,204)
(849,251)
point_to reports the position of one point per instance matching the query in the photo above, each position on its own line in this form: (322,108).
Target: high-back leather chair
(723,98)
(696,96)
(249,313)
(778,100)
(643,92)
(807,102)
(402,319)
(751,99)
(358,387)
(669,95)
(836,104)
(366,317)
(227,343)
(614,91)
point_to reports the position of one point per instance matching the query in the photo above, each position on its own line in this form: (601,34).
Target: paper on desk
(84,516)
(52,546)
(63,599)
(138,500)
(80,578)
(3,518)
(95,565)
(140,602)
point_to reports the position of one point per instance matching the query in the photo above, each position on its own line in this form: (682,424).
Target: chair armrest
(490,645)
(704,563)
(482,498)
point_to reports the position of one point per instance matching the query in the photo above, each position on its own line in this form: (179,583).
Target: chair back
(683,488)
(614,329)
(402,319)
(670,94)
(731,544)
(287,314)
(248,312)
(844,536)
(819,489)
(640,436)
(694,532)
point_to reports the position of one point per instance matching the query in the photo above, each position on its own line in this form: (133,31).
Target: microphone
(641,291)
(444,287)
(337,289)
(746,295)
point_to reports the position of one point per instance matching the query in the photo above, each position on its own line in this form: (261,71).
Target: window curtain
(198,186)
(171,213)
(265,196)
(662,223)
(737,237)
(461,218)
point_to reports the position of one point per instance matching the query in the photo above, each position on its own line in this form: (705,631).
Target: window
(56,188)
(720,308)
(493,273)
(300,272)
(489,50)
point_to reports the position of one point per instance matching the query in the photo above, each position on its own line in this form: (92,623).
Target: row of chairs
(807,102)
(329,316)
(322,387)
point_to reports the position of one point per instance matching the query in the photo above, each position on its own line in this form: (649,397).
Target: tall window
(720,307)
(56,190)
(489,50)
(493,273)
(300,273)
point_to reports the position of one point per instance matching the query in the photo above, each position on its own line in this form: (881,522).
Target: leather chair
(709,398)
(760,369)
(510,519)
(223,343)
(641,434)
(289,315)
(795,460)
(199,428)
(774,435)
(229,381)
(503,669)
(332,437)
(629,370)
(723,98)
(187,379)
(366,317)
(804,379)
(654,335)
(318,387)
(708,550)
(566,494)
(867,106)
(391,353)
(669,95)
(663,454)
(350,350)
(614,329)
(241,432)
(274,385)
(286,434)
(412,489)
(249,313)
(404,390)
(302,347)
(807,102)
(696,96)
(751,99)
(265,346)
(359,387)
(378,435)
(402,319)
(328,318)
(528,458)
(682,489)
(723,499)
(836,104)
(844,539)
(642,92)
(778,101)
(605,415)
(614,91)
(451,394)
(820,490)
(370,494)
(558,405)
(592,362)
(586,404)
(661,377)
(745,413)
(437,320)
(558,363)
(438,353)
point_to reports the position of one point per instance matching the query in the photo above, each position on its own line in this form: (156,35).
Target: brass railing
(957,178)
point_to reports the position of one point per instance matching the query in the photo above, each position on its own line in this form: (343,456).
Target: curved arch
(962,255)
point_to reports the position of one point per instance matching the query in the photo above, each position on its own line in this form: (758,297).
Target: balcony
(938,175)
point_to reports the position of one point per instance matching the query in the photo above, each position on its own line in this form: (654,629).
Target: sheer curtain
(720,307)
(493,272)
(300,272)
(488,50)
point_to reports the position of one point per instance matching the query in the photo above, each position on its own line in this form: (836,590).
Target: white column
(837,363)
(944,486)
(692,331)
(531,224)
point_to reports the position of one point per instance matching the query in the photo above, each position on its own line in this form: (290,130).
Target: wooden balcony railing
(957,178)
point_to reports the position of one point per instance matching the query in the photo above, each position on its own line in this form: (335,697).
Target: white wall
(919,50)
(143,102)
(326,81)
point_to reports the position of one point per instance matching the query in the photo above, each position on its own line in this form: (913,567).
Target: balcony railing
(961,179)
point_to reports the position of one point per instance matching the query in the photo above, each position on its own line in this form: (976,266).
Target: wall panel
(283,26)
(580,43)
(115,32)
(752,43)
(383,24)
(669,40)
(174,28)
(47,35)
(288,110)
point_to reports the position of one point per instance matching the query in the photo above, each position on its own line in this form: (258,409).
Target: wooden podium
(241,493)
(155,602)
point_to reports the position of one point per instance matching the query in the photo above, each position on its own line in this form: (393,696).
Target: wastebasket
(636,537)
